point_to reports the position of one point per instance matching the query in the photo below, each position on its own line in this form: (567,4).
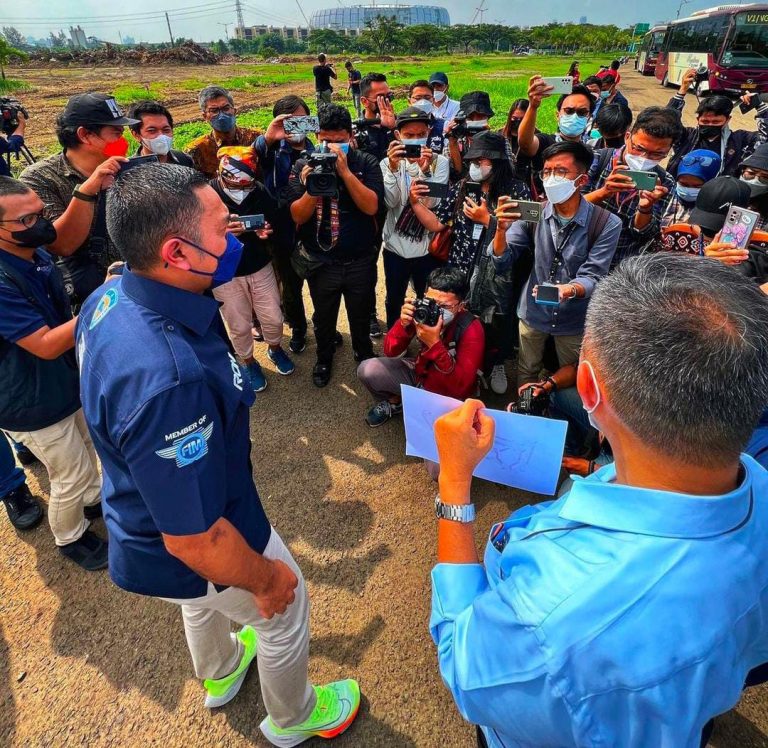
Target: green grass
(129,93)
(11,86)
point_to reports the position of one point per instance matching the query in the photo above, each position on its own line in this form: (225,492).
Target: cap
(439,78)
(95,109)
(476,102)
(413,114)
(714,201)
(759,159)
(700,163)
(487,144)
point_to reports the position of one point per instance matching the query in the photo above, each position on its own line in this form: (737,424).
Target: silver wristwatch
(455,512)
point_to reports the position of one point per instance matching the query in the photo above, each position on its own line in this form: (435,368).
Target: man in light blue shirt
(630,611)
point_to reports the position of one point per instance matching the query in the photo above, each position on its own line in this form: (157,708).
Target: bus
(648,51)
(729,41)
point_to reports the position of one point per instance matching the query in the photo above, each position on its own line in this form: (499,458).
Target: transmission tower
(239,11)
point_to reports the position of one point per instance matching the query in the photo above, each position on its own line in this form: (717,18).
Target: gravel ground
(83,663)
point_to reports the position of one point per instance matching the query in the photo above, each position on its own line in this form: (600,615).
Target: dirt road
(83,663)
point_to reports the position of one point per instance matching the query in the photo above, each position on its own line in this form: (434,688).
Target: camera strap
(327,234)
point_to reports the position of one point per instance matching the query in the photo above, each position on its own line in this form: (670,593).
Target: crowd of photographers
(492,245)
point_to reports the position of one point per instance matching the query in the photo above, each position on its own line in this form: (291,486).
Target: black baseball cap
(487,144)
(413,114)
(758,160)
(95,109)
(476,102)
(439,78)
(715,200)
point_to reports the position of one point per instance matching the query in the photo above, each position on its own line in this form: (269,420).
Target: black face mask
(40,233)
(710,132)
(614,142)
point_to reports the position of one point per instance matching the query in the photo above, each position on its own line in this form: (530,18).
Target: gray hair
(680,344)
(10,186)
(213,92)
(148,204)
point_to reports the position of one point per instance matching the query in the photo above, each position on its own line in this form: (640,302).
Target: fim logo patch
(106,302)
(188,448)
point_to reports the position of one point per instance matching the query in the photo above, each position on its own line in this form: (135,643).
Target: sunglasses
(703,160)
(573,110)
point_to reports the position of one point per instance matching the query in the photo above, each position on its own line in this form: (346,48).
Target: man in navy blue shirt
(39,394)
(12,144)
(168,410)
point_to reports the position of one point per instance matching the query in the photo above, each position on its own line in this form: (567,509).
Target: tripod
(22,151)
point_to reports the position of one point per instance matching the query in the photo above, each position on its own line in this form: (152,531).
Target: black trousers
(398,271)
(355,281)
(291,286)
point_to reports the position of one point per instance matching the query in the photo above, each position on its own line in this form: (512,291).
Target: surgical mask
(438,96)
(688,194)
(117,147)
(559,189)
(572,124)
(424,104)
(160,145)
(447,317)
(344,147)
(604,94)
(756,187)
(297,138)
(237,195)
(710,132)
(39,234)
(591,410)
(223,122)
(477,124)
(639,163)
(414,141)
(227,261)
(479,172)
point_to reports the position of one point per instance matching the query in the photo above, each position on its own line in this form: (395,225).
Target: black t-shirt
(257,253)
(322,75)
(376,141)
(357,231)
(354,81)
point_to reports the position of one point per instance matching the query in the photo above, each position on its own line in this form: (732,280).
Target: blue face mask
(344,147)
(687,194)
(227,261)
(223,122)
(604,94)
(572,124)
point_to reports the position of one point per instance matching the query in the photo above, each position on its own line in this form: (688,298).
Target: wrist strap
(82,196)
(552,382)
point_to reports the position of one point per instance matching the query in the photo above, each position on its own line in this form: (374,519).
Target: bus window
(747,45)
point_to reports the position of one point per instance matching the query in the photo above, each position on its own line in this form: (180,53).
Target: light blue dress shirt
(612,617)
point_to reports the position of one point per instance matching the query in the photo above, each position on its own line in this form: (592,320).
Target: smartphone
(138,161)
(562,85)
(301,125)
(473,190)
(753,102)
(548,294)
(253,222)
(436,189)
(412,151)
(529,210)
(739,225)
(644,180)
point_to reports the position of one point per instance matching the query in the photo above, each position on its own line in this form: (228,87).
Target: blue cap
(439,78)
(700,163)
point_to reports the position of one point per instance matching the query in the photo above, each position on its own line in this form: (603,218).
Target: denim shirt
(581,263)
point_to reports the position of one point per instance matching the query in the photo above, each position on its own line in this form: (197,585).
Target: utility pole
(680,7)
(170,33)
(120,37)
(226,29)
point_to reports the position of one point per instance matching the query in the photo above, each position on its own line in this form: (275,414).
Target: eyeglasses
(228,109)
(692,160)
(573,110)
(653,155)
(560,172)
(27,221)
(752,174)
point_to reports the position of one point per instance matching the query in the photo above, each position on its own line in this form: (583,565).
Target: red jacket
(436,369)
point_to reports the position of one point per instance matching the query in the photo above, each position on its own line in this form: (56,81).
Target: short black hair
(582,154)
(368,80)
(715,105)
(608,80)
(334,117)
(321,57)
(11,186)
(421,83)
(148,107)
(593,80)
(288,105)
(578,90)
(615,65)
(659,122)
(613,118)
(448,279)
(348,64)
(150,203)
(67,134)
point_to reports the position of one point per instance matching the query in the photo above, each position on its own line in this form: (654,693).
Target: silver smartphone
(562,85)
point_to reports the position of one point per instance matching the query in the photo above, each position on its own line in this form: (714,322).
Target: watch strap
(454,512)
(82,196)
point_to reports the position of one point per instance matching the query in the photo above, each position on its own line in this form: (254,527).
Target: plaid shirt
(625,204)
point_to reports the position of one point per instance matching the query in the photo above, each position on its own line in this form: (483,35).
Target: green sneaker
(335,711)
(222,690)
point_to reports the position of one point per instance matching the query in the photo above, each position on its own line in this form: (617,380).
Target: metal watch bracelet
(454,512)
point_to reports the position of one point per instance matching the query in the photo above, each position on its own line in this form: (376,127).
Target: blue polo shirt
(167,408)
(614,616)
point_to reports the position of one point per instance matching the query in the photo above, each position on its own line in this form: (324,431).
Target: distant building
(582,21)
(356,16)
(286,32)
(77,38)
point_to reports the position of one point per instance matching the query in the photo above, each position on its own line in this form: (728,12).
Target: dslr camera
(702,74)
(426,312)
(322,182)
(530,404)
(460,128)
(9,114)
(361,131)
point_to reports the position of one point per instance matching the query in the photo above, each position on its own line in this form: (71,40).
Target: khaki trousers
(531,355)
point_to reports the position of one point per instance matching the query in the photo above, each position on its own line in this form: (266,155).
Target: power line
(257,11)
(153,13)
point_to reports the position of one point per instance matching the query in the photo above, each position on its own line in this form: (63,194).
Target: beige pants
(243,296)
(283,650)
(530,358)
(67,452)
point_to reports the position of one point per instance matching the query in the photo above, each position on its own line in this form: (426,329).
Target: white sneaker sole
(213,702)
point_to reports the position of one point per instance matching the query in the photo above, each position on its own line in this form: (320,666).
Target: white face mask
(640,163)
(479,172)
(477,124)
(439,96)
(297,137)
(160,145)
(559,189)
(424,104)
(447,317)
(237,195)
(591,410)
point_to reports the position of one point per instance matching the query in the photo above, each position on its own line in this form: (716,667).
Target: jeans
(323,97)
(398,271)
(355,281)
(291,287)
(11,476)
(383,376)
(356,103)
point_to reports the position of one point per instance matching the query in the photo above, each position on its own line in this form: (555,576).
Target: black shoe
(25,455)
(298,342)
(337,339)
(23,508)
(89,552)
(359,357)
(93,511)
(321,374)
(375,328)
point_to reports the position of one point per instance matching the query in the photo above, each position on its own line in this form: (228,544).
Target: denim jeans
(398,272)
(11,476)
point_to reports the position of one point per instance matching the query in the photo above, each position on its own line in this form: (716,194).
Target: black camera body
(530,404)
(9,114)
(702,74)
(322,182)
(361,131)
(426,312)
(460,129)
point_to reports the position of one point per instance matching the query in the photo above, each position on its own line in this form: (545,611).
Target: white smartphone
(562,85)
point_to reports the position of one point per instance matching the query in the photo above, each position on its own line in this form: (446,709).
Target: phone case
(738,227)
(550,290)
(529,211)
(644,180)
(562,85)
(303,125)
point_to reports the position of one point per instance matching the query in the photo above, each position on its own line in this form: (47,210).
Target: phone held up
(739,225)
(548,294)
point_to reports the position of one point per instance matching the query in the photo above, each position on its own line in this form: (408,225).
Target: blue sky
(203,19)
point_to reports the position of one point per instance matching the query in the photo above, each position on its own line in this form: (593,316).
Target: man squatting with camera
(12,136)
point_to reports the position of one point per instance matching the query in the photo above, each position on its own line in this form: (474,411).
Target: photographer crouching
(13,123)
(452,344)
